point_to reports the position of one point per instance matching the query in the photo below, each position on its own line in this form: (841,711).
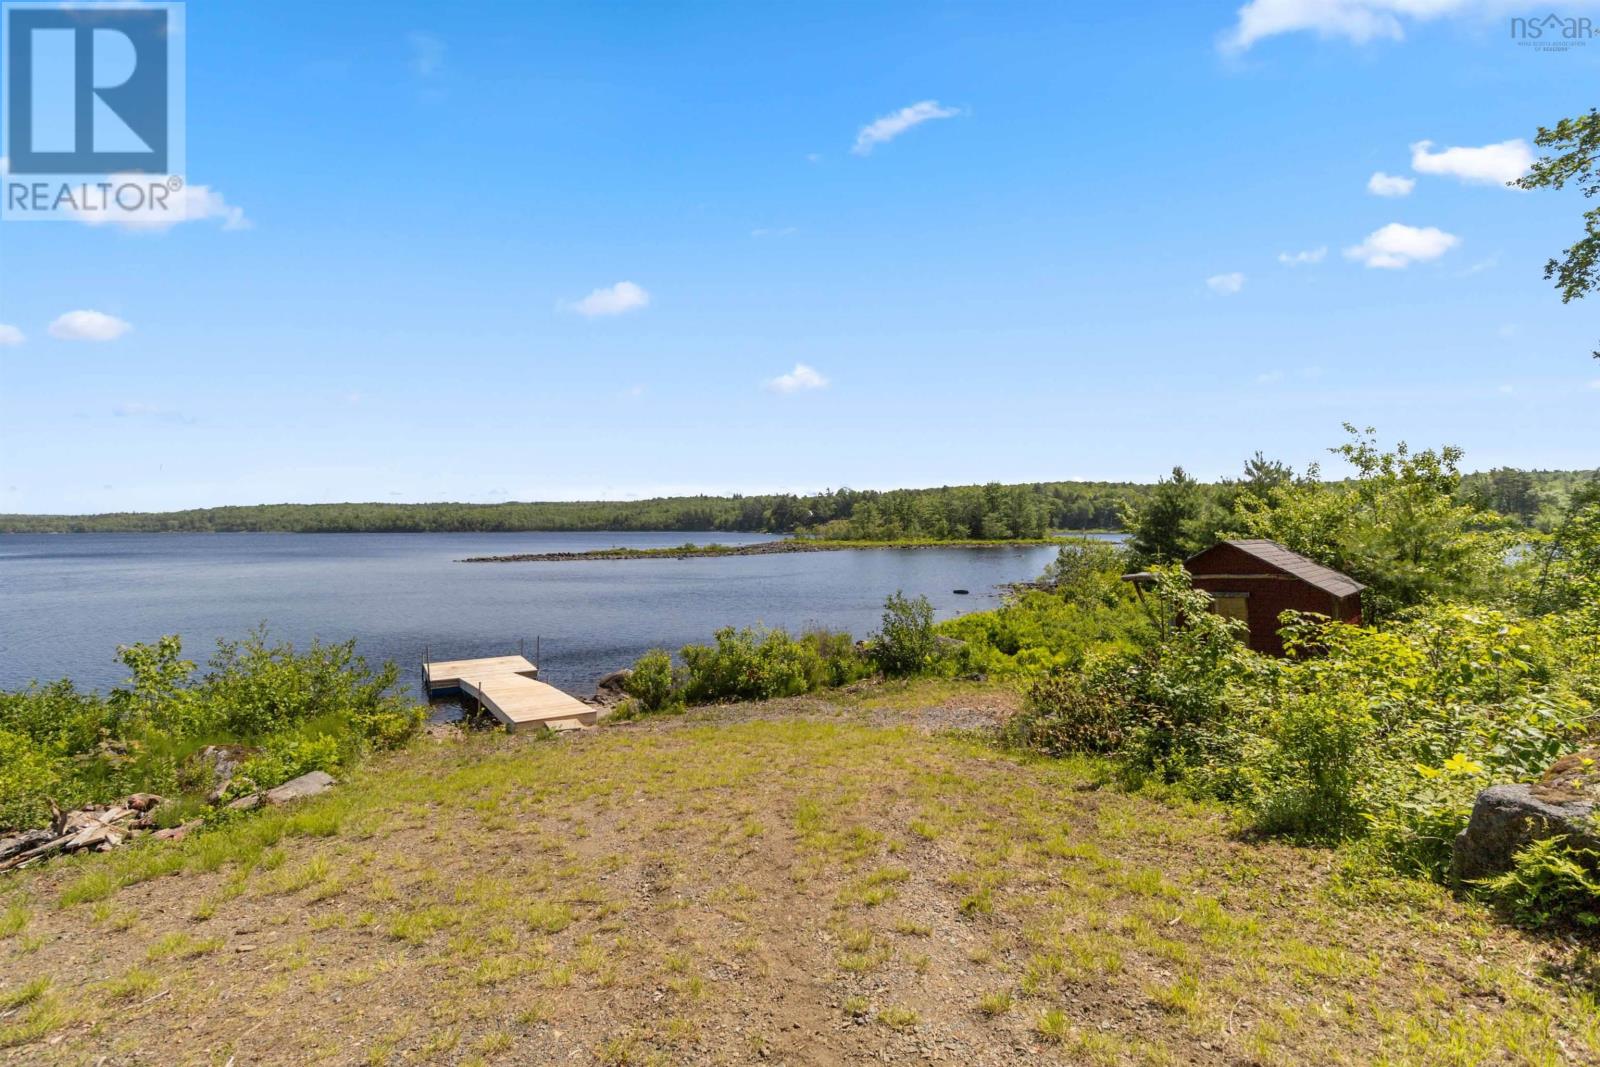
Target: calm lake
(67,600)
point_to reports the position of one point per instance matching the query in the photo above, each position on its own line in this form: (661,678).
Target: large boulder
(1508,818)
(307,785)
(613,688)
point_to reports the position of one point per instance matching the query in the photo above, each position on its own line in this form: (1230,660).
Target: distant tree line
(958,513)
(1177,512)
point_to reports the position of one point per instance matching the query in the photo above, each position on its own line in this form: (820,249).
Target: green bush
(313,709)
(1067,711)
(748,664)
(284,757)
(838,661)
(1551,882)
(29,776)
(1314,769)
(906,644)
(652,684)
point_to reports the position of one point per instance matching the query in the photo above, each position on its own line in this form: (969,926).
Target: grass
(800,888)
(13,920)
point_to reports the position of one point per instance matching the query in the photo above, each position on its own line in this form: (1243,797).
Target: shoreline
(760,548)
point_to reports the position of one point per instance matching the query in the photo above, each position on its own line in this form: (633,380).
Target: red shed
(1256,580)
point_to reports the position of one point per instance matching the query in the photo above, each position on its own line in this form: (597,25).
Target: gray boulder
(1508,818)
(612,689)
(307,785)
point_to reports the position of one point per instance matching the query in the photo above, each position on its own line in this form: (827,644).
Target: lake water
(67,600)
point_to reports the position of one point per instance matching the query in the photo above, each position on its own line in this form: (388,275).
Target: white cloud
(1354,20)
(88,326)
(1381,184)
(10,335)
(1492,164)
(802,377)
(615,300)
(893,125)
(5,164)
(1225,284)
(1594,383)
(1268,377)
(1397,245)
(1357,21)
(192,203)
(1299,259)
(774,231)
(427,54)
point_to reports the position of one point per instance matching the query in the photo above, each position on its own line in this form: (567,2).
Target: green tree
(1159,529)
(906,644)
(1511,492)
(1574,145)
(1400,526)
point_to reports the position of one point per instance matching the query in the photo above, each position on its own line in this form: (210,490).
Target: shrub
(759,664)
(28,775)
(1037,632)
(748,664)
(305,710)
(1069,712)
(1550,882)
(652,684)
(285,757)
(906,644)
(1315,766)
(838,659)
(1177,686)
(57,715)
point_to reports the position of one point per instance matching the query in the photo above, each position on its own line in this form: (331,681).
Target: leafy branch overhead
(1575,147)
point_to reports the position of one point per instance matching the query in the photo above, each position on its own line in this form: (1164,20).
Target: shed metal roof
(1284,559)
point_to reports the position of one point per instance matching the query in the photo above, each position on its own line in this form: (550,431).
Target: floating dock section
(508,688)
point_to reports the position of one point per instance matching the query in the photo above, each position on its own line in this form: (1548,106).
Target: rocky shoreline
(761,548)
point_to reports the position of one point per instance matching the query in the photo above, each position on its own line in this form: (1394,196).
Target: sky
(501,251)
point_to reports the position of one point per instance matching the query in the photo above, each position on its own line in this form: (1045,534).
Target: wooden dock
(508,688)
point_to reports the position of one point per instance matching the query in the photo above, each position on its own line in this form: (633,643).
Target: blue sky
(1057,254)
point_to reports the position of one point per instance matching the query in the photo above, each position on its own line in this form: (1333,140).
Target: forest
(956,513)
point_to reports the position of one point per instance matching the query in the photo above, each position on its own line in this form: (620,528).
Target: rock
(1507,818)
(177,833)
(612,689)
(248,802)
(220,762)
(307,785)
